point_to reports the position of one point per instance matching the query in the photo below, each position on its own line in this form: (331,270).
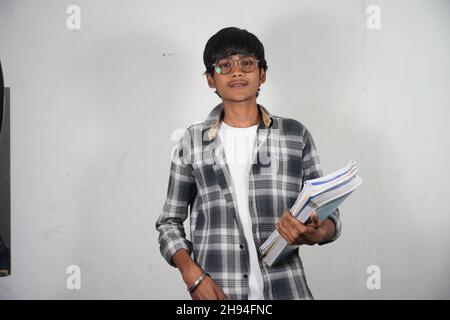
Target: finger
(212,294)
(283,226)
(309,232)
(315,220)
(222,295)
(301,240)
(279,227)
(295,225)
(218,291)
(284,222)
(288,216)
(214,290)
(194,296)
(291,224)
(312,232)
(305,240)
(285,233)
(292,229)
(281,230)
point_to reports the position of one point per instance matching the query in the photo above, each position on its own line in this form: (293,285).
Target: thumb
(315,220)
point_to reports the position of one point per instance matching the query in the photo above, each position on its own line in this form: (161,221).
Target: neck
(241,114)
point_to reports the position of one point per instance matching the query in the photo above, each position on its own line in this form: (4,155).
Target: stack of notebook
(324,195)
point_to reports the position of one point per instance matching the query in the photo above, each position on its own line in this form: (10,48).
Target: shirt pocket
(290,176)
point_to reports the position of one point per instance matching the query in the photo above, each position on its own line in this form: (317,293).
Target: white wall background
(93,110)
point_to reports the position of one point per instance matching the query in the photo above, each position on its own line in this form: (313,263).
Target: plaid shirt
(284,156)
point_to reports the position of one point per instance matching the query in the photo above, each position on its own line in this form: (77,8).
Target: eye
(247,62)
(224,64)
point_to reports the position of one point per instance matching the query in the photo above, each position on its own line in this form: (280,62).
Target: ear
(210,80)
(262,76)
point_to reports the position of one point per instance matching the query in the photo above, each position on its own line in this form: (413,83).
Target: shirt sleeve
(181,193)
(311,169)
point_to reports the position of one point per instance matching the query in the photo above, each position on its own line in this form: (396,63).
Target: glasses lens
(225,65)
(248,64)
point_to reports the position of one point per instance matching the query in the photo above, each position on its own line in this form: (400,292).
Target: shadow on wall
(5,181)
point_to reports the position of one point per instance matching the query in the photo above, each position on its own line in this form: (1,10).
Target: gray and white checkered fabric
(284,157)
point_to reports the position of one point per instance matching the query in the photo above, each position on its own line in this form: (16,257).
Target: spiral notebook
(324,195)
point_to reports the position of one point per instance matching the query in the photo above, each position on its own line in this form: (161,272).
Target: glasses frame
(232,64)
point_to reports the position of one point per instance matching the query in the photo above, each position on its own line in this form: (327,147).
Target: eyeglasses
(224,66)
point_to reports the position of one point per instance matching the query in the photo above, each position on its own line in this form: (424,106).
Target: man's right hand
(207,290)
(190,271)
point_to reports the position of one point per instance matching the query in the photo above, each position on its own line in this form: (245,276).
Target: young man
(239,171)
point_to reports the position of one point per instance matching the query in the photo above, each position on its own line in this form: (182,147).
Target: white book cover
(313,188)
(276,248)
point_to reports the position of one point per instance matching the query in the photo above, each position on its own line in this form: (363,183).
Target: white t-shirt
(238,145)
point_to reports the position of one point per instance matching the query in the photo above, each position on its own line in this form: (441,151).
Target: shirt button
(245,276)
(241,246)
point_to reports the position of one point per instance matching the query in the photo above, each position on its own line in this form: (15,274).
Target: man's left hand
(295,232)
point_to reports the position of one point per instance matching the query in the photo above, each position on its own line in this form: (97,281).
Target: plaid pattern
(284,156)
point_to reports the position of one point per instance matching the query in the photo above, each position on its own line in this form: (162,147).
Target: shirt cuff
(173,246)
(337,230)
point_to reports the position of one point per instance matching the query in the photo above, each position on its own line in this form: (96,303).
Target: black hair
(230,41)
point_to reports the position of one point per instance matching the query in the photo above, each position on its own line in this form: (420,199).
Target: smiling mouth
(238,85)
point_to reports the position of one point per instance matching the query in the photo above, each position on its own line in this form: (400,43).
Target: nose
(236,70)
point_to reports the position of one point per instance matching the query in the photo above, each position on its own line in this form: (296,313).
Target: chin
(240,97)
